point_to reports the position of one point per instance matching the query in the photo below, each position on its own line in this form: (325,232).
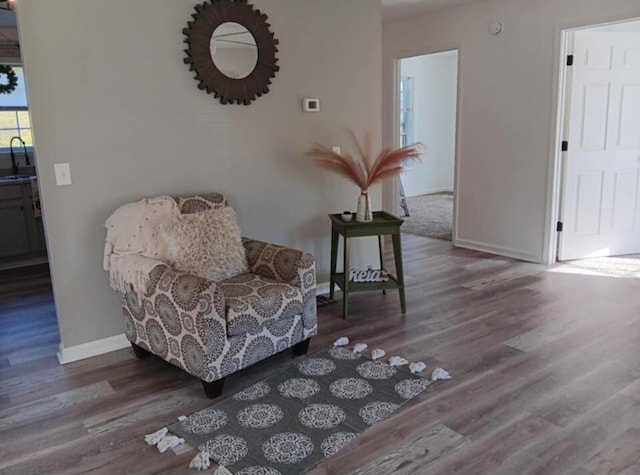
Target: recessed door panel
(598,58)
(632,59)
(625,194)
(629,137)
(589,193)
(595,117)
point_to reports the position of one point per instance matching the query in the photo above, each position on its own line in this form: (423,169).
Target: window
(406,111)
(14,114)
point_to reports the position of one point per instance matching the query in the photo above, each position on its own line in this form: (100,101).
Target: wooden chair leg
(140,352)
(301,348)
(214,388)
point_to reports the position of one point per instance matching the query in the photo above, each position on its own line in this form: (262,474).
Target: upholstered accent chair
(212,329)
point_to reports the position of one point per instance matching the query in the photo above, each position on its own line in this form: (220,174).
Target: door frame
(560,124)
(390,189)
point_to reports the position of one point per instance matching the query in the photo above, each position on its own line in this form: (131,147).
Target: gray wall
(109,94)
(507,109)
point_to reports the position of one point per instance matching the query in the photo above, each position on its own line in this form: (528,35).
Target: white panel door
(601,193)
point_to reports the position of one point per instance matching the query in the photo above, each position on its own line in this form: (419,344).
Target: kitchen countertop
(5,180)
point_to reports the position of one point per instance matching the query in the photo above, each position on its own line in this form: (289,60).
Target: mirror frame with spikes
(207,17)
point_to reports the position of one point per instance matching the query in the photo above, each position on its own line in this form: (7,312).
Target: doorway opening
(427,99)
(29,330)
(598,166)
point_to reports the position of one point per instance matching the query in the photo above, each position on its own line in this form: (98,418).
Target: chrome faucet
(14,164)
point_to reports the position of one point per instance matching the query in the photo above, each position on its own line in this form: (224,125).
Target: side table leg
(384,291)
(345,290)
(397,254)
(403,200)
(334,261)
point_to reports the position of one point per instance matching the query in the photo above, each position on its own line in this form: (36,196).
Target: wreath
(12,79)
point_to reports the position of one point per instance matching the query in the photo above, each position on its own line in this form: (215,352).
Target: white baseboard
(430,192)
(92,348)
(118,342)
(322,288)
(499,250)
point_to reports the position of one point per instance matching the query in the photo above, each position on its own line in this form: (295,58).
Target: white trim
(499,250)
(554,177)
(391,188)
(92,348)
(430,192)
(118,342)
(322,288)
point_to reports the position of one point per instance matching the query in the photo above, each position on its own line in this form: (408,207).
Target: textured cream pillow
(206,244)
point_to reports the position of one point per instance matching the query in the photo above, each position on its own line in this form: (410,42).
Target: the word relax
(369,275)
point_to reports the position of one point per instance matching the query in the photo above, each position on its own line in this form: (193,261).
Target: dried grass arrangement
(366,171)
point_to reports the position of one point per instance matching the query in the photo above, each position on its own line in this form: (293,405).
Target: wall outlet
(63,174)
(336,149)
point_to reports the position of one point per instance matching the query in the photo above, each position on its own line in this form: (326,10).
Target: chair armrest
(130,272)
(283,264)
(290,266)
(189,293)
(180,318)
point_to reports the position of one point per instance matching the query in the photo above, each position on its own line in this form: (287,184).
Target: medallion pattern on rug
(295,419)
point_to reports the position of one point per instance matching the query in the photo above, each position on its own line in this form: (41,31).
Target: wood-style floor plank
(415,455)
(620,456)
(546,370)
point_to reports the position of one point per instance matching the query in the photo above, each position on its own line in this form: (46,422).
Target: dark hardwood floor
(546,370)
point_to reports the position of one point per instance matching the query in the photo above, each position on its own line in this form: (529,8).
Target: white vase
(363,213)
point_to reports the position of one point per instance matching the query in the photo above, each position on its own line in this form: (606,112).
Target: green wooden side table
(383,224)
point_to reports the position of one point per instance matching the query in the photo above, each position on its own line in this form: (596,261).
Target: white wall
(109,94)
(435,85)
(507,110)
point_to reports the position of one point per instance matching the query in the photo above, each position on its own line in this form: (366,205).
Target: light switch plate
(336,149)
(63,174)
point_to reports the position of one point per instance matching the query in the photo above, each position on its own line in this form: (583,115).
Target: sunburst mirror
(232,50)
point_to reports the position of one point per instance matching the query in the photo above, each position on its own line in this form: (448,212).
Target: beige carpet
(431,216)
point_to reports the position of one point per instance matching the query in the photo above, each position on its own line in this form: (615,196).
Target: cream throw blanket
(132,249)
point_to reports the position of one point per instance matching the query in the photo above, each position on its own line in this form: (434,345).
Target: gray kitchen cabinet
(21,232)
(14,235)
(39,244)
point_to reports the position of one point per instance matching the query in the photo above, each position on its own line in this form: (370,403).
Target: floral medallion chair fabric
(212,329)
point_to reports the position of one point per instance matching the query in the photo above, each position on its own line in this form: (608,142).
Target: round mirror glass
(233,50)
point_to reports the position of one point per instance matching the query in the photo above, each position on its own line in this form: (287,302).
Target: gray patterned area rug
(293,420)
